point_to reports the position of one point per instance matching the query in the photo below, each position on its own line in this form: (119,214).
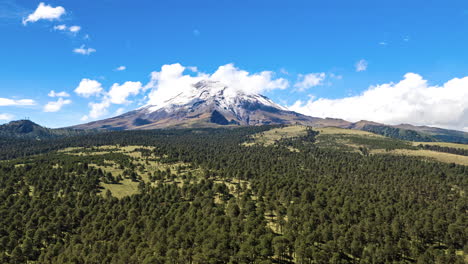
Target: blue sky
(290,39)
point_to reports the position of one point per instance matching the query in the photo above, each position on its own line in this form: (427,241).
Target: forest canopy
(205,196)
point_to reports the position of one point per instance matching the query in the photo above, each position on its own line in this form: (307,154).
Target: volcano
(210,104)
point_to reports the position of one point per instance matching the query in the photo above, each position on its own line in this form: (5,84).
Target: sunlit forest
(224,196)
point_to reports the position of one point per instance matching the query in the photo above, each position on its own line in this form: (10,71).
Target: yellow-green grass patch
(433,155)
(344,131)
(442,144)
(126,187)
(269,137)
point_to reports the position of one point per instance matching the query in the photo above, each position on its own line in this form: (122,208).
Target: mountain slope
(210,104)
(412,133)
(26,129)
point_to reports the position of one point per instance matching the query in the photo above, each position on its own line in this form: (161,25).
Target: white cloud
(74,29)
(121,68)
(336,76)
(246,82)
(84,118)
(59,94)
(310,80)
(383,43)
(12,102)
(284,71)
(99,109)
(88,88)
(60,27)
(192,68)
(361,65)
(55,106)
(6,117)
(119,111)
(118,93)
(83,50)
(46,12)
(171,81)
(411,101)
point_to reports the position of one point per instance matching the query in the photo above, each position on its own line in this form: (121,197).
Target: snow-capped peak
(212,92)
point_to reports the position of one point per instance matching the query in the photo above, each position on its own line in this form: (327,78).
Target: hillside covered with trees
(206,196)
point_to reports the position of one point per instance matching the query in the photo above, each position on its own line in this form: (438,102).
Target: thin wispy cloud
(10,10)
(71,29)
(60,27)
(361,65)
(306,81)
(6,117)
(120,68)
(13,102)
(59,94)
(83,50)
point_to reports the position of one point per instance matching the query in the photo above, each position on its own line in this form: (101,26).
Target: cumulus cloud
(121,68)
(88,88)
(55,106)
(59,94)
(99,109)
(246,82)
(310,80)
(361,65)
(83,50)
(46,12)
(171,81)
(412,100)
(118,94)
(13,102)
(6,117)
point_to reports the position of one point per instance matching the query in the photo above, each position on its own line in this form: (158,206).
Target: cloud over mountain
(88,88)
(412,100)
(171,80)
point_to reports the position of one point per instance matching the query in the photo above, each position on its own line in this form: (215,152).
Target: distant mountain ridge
(26,129)
(212,104)
(209,104)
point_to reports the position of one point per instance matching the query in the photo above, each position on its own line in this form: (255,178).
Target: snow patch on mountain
(212,92)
